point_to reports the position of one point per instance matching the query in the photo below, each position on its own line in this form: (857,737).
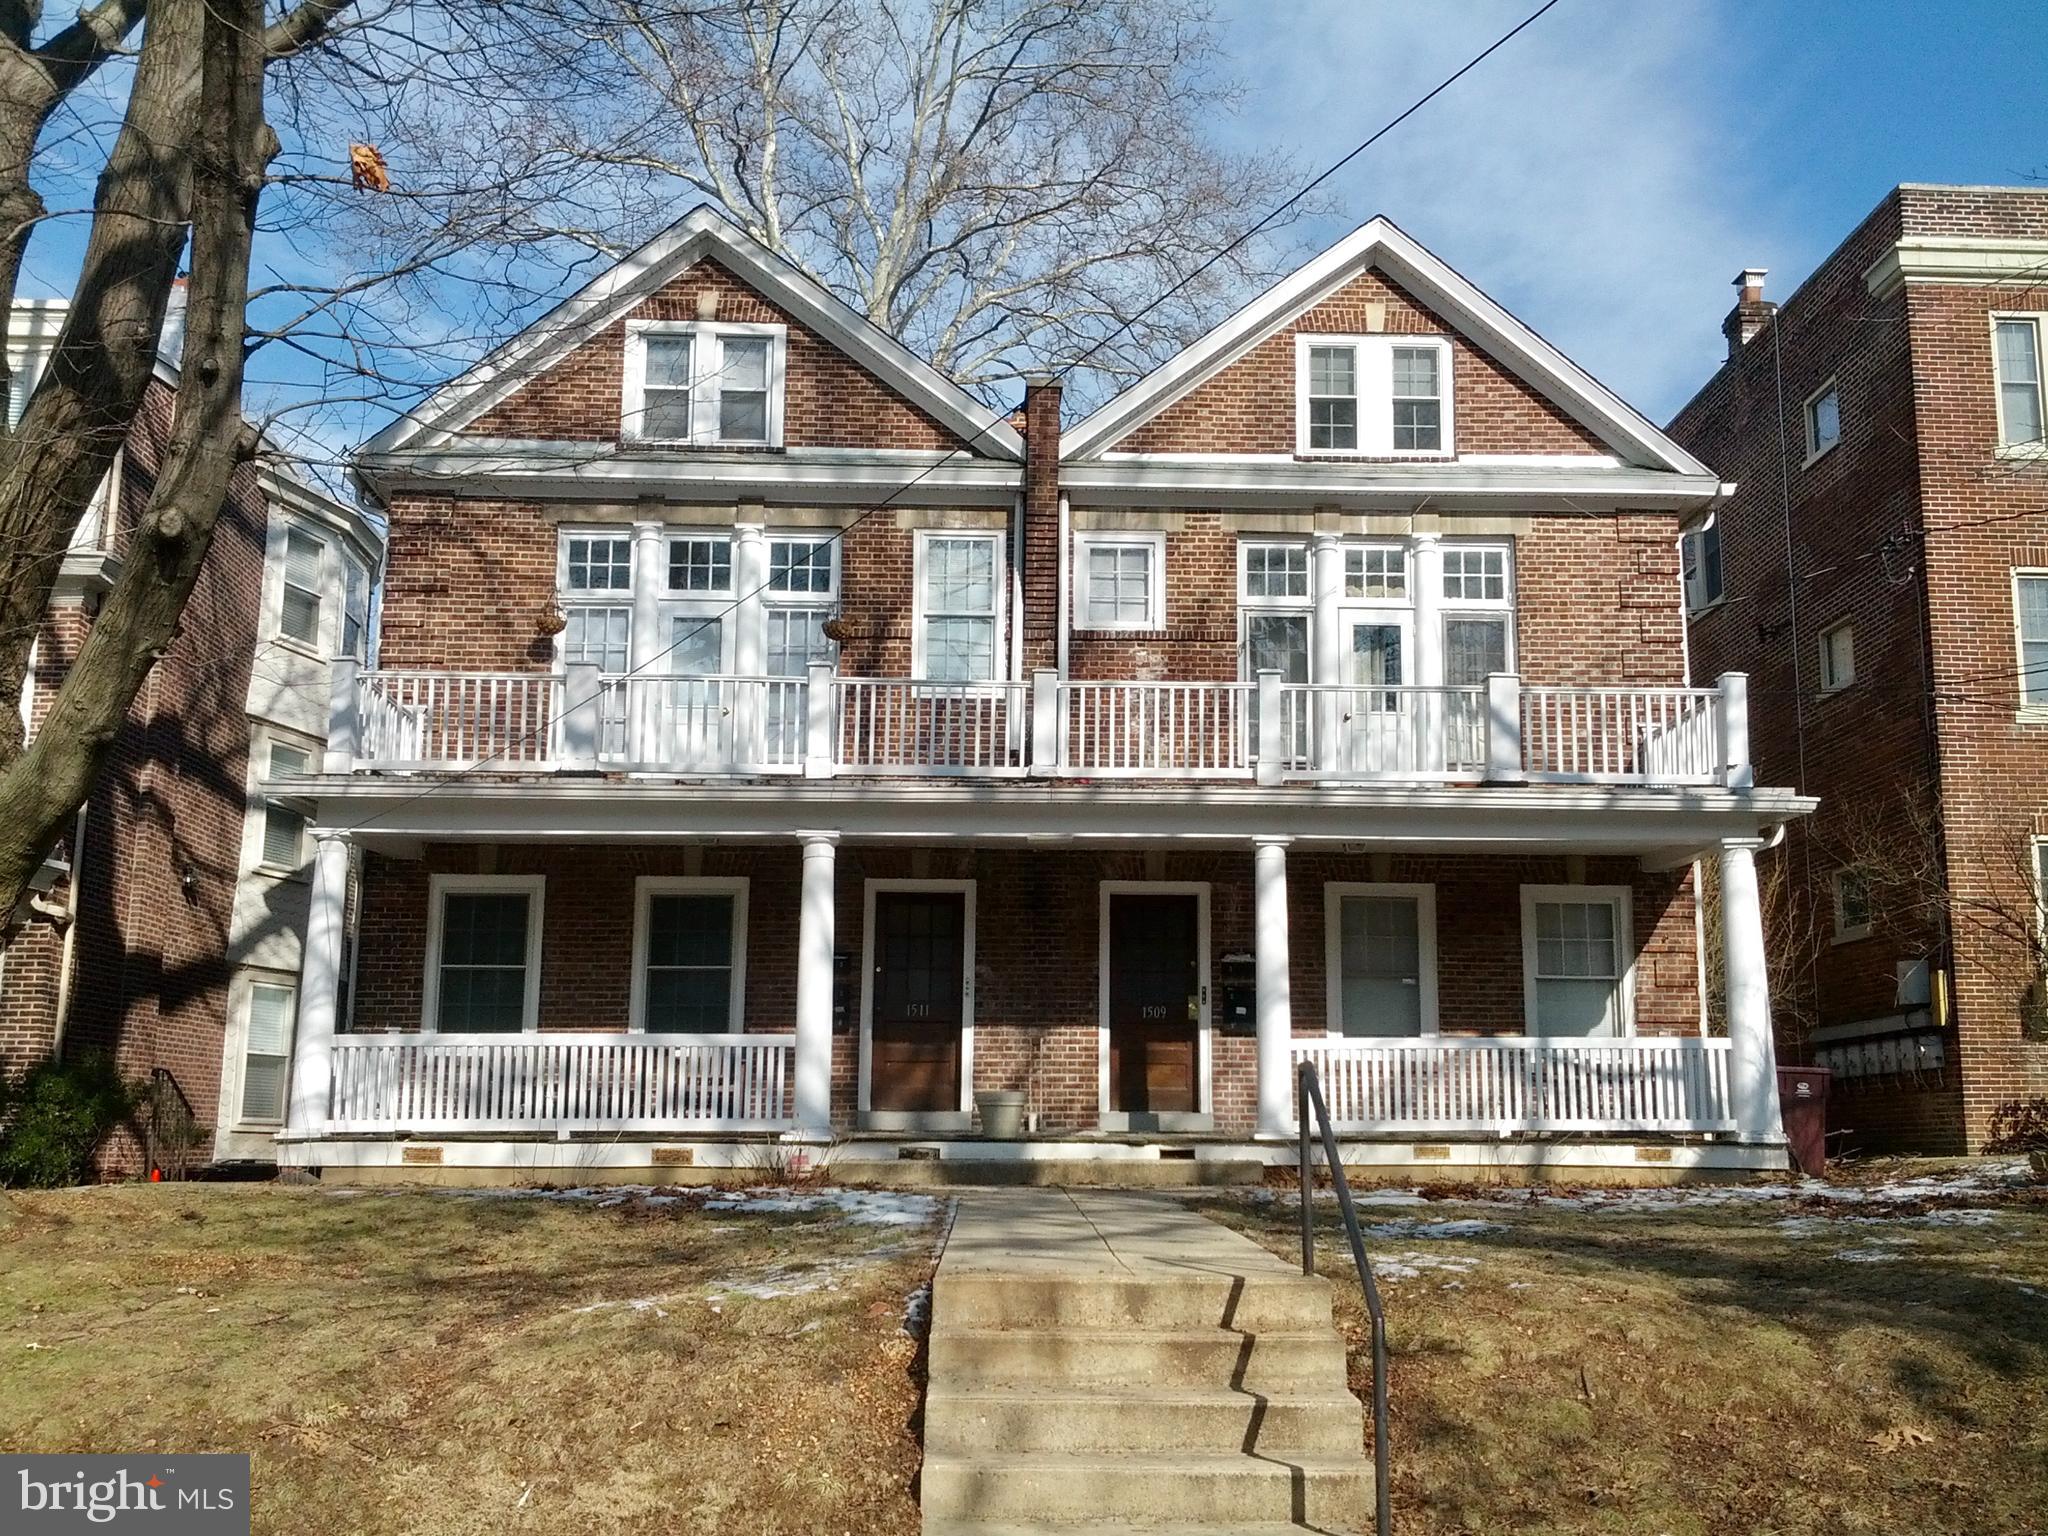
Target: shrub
(55,1116)
(2020,1126)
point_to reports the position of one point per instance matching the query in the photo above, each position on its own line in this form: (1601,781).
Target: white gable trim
(1381,243)
(701,232)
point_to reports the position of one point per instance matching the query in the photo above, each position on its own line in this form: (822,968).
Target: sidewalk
(1084,1232)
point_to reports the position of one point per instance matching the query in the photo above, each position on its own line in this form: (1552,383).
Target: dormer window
(1373,396)
(704,384)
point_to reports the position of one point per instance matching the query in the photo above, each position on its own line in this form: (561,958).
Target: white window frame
(243,1005)
(645,889)
(1505,603)
(919,616)
(1154,545)
(1845,931)
(827,602)
(2039,446)
(706,338)
(2037,871)
(1373,358)
(1622,899)
(353,569)
(2034,711)
(440,887)
(1693,566)
(261,745)
(1363,548)
(286,586)
(1307,599)
(1815,449)
(1830,680)
(1424,896)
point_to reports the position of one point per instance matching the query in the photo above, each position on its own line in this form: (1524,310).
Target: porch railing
(1514,1083)
(822,724)
(561,1082)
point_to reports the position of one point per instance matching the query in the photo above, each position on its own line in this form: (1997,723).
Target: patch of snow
(865,1207)
(780,1284)
(655,1304)
(1395,1267)
(1878,1250)
(1411,1227)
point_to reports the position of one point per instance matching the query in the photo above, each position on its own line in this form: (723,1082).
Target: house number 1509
(1153,1011)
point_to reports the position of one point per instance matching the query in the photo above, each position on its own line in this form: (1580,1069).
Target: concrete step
(1333,1491)
(996,1299)
(1085,1358)
(1004,1420)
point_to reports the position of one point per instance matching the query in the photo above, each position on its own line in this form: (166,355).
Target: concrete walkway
(1111,1363)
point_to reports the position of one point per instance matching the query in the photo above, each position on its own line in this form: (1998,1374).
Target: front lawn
(451,1362)
(1866,1359)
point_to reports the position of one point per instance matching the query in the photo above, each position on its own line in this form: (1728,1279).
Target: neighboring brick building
(1881,571)
(174,909)
(771,737)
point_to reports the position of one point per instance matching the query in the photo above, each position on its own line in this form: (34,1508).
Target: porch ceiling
(1662,826)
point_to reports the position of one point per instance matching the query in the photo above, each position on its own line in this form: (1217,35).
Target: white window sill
(1393,456)
(1694,611)
(1850,935)
(2022,453)
(691,445)
(297,647)
(1121,631)
(2032,714)
(302,873)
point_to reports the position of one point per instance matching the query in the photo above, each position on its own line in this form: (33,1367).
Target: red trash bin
(1803,1102)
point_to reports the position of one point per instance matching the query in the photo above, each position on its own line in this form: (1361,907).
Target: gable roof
(1380,243)
(701,232)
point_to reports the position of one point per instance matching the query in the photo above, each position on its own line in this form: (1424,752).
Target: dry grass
(1655,1366)
(443,1363)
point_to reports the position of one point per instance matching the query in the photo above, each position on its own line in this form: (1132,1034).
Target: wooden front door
(914,1035)
(1155,1003)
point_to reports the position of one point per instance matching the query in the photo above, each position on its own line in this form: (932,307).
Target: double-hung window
(2030,618)
(1123,580)
(1381,958)
(355,609)
(299,610)
(1380,395)
(483,954)
(689,955)
(266,1052)
(1575,957)
(1852,904)
(1479,633)
(284,824)
(1837,657)
(703,383)
(1700,555)
(1275,609)
(2016,352)
(597,609)
(803,585)
(959,606)
(1823,420)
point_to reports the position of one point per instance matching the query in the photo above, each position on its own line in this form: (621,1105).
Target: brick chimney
(1750,312)
(1041,519)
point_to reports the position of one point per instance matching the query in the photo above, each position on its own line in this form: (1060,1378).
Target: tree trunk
(230,147)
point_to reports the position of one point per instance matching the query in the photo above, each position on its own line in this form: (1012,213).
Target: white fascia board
(587,470)
(1380,242)
(1630,822)
(280,485)
(1184,482)
(1966,259)
(700,232)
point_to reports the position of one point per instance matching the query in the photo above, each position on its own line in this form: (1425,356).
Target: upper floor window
(1823,420)
(1837,657)
(2018,354)
(284,826)
(1700,556)
(800,565)
(2030,614)
(299,615)
(1376,571)
(705,383)
(1476,573)
(1123,580)
(598,563)
(700,564)
(959,606)
(355,610)
(1372,395)
(1276,571)
(1852,904)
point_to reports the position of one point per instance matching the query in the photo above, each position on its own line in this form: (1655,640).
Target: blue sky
(1608,172)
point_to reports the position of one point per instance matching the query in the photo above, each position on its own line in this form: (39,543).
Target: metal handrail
(1309,1094)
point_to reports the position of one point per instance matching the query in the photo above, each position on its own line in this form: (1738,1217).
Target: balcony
(823,725)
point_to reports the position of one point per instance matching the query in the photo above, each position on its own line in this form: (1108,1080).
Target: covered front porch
(1474,984)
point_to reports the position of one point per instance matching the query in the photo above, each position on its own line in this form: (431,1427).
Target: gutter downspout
(1066,578)
(1017,589)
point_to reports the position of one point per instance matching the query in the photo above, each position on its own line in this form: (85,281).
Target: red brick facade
(1910,530)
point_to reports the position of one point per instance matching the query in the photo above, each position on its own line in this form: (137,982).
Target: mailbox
(1238,990)
(842,993)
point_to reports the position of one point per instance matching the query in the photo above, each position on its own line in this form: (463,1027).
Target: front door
(1155,1003)
(914,1041)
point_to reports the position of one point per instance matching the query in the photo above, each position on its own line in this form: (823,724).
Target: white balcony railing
(560,1082)
(1507,1084)
(821,724)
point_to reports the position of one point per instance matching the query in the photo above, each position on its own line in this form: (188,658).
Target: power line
(1121,328)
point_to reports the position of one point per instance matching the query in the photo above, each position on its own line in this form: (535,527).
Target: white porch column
(1326,576)
(814,940)
(1426,570)
(650,574)
(749,639)
(319,987)
(1752,1053)
(1273,1010)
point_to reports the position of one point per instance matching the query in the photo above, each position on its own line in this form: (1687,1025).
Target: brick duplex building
(1881,571)
(167,933)
(769,738)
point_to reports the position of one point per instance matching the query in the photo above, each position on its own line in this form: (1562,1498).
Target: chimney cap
(1751,277)
(1040,380)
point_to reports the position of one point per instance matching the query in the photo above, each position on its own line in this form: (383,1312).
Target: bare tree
(1001,184)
